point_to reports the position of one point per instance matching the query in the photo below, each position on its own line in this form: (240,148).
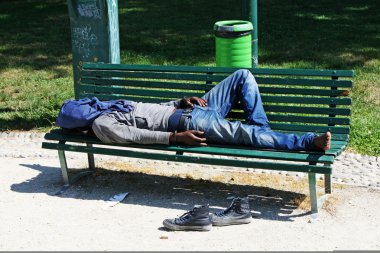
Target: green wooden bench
(296,100)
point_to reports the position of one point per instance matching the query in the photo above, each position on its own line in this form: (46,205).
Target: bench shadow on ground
(165,192)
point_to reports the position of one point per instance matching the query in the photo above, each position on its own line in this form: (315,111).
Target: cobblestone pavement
(349,168)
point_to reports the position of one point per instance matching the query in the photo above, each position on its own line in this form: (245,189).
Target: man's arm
(186,102)
(189,137)
(175,103)
(109,130)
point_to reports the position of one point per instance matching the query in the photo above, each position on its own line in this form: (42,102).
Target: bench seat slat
(191,159)
(338,140)
(260,154)
(264,71)
(226,151)
(242,151)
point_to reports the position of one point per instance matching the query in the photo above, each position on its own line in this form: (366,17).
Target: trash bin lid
(233,26)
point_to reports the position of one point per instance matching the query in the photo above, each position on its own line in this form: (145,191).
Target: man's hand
(188,102)
(189,137)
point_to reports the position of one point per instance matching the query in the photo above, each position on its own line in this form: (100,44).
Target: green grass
(35,50)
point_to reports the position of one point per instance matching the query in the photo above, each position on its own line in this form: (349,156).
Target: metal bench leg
(70,179)
(328,185)
(91,160)
(64,170)
(314,201)
(313,192)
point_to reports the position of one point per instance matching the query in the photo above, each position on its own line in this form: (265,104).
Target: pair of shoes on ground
(199,218)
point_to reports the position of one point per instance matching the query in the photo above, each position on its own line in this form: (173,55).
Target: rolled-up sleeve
(109,130)
(175,103)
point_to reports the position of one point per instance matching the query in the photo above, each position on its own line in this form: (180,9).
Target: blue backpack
(81,113)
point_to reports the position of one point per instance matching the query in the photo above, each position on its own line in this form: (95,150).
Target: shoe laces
(228,210)
(185,216)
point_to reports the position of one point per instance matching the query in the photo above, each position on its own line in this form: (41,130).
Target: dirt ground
(33,217)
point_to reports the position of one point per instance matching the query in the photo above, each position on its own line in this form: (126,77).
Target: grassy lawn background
(35,50)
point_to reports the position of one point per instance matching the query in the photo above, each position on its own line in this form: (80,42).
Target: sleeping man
(199,121)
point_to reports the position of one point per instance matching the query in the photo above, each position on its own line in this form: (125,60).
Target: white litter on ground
(114,200)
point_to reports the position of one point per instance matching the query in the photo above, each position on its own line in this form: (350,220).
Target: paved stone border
(349,168)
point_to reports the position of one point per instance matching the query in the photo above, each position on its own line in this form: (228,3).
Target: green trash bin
(233,43)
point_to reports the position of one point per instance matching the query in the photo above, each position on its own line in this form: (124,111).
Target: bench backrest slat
(294,99)
(148,75)
(309,128)
(174,94)
(307,110)
(90,76)
(151,96)
(297,118)
(205,87)
(196,69)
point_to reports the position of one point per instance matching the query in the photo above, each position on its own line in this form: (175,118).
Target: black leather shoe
(197,219)
(237,213)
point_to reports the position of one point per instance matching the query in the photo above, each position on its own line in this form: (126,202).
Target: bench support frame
(68,179)
(328,183)
(67,176)
(315,202)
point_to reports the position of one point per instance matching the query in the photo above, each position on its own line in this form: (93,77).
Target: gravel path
(35,218)
(349,168)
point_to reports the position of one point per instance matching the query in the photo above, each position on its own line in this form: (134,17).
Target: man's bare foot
(322,142)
